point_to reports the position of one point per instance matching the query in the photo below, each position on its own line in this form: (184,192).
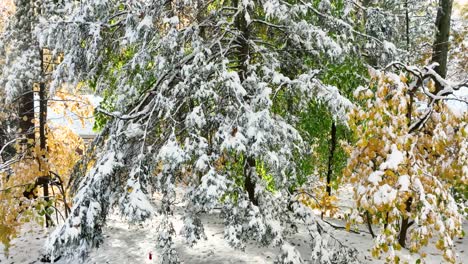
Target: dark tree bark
(330,157)
(369,224)
(43,136)
(407,22)
(405,224)
(249,185)
(26,91)
(441,42)
(43,142)
(26,117)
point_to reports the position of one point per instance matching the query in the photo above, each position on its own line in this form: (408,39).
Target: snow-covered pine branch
(192,100)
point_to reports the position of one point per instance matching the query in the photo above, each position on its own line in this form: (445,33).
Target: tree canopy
(236,107)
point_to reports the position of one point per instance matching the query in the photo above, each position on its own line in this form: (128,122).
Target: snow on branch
(433,86)
(192,104)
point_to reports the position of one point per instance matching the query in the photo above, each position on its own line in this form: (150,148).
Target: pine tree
(194,86)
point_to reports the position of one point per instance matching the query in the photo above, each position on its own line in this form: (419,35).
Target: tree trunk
(249,185)
(43,142)
(441,42)
(330,157)
(369,224)
(43,139)
(407,22)
(243,57)
(26,96)
(403,231)
(405,224)
(26,117)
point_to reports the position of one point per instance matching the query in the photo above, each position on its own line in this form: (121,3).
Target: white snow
(108,166)
(384,195)
(172,152)
(375,177)
(172,20)
(459,108)
(125,243)
(404,182)
(389,47)
(134,131)
(196,118)
(132,244)
(292,255)
(393,160)
(147,22)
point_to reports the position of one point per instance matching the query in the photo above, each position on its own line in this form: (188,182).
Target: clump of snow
(196,118)
(172,20)
(147,22)
(389,47)
(404,182)
(385,195)
(393,160)
(171,152)
(375,177)
(134,130)
(290,255)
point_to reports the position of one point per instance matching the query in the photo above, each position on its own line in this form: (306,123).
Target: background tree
(458,49)
(28,161)
(6,121)
(441,42)
(405,26)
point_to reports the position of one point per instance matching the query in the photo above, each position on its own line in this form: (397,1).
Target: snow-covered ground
(125,243)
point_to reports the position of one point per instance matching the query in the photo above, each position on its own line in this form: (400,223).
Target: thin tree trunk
(330,161)
(330,157)
(441,42)
(43,142)
(405,224)
(43,139)
(407,20)
(369,224)
(404,229)
(405,220)
(26,98)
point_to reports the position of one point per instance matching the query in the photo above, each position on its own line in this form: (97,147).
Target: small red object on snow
(150,256)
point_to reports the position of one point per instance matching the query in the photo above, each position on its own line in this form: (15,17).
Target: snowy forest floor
(124,243)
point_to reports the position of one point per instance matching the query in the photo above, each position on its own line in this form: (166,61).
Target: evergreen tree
(195,89)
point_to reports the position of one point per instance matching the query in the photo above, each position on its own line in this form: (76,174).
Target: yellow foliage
(63,149)
(319,199)
(67,101)
(60,157)
(401,174)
